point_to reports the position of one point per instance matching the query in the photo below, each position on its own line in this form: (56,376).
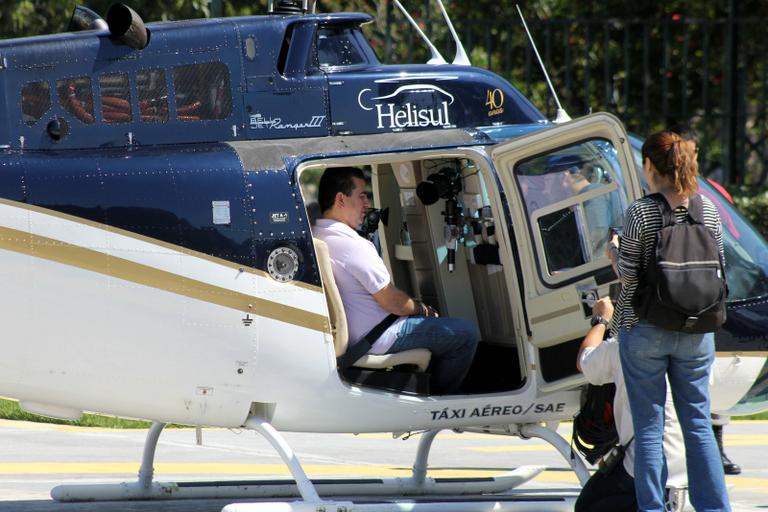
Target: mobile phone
(614,290)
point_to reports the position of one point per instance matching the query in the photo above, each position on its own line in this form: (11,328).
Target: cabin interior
(412,240)
(528,286)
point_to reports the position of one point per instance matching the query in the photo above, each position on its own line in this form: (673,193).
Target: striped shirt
(642,222)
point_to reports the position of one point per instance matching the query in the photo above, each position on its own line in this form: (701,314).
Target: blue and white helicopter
(157,258)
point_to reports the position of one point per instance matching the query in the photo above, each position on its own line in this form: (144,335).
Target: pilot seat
(402,372)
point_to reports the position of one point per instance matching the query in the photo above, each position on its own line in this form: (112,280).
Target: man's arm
(398,302)
(594,337)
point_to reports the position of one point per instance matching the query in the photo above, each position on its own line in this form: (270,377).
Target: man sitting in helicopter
(378,313)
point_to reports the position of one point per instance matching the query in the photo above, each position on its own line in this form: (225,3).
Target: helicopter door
(286,98)
(565,188)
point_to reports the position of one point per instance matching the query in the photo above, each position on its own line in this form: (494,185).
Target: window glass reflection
(584,178)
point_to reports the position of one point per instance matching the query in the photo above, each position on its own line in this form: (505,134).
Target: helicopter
(158,259)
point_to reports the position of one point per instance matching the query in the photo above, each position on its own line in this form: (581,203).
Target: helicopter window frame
(117,106)
(76,98)
(591,259)
(505,238)
(153,101)
(361,44)
(30,111)
(282,56)
(186,79)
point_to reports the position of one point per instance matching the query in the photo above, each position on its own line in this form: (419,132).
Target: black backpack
(594,426)
(684,288)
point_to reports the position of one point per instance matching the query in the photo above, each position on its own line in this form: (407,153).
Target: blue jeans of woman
(452,341)
(648,353)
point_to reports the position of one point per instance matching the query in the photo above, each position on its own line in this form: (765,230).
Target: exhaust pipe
(126,26)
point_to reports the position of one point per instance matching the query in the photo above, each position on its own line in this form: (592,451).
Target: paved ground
(36,457)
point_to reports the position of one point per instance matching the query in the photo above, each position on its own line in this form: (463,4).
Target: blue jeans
(648,353)
(452,341)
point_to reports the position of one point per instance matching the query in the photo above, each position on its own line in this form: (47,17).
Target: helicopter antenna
(461,57)
(436,57)
(562,116)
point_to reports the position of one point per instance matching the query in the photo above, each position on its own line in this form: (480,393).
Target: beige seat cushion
(419,357)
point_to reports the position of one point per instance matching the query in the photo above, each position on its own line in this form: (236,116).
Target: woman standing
(648,352)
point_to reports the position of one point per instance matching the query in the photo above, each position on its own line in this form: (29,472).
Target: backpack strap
(696,209)
(667,215)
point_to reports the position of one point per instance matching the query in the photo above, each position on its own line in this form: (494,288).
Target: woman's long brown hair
(674,158)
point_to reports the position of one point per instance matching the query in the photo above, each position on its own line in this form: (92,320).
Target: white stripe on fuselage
(160,256)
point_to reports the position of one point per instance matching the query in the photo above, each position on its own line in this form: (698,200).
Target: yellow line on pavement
(746,440)
(255,470)
(557,476)
(748,482)
(502,449)
(33,425)
(206,468)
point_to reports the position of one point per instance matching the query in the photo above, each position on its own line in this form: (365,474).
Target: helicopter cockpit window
(76,97)
(115,98)
(337,47)
(35,101)
(203,91)
(153,95)
(573,196)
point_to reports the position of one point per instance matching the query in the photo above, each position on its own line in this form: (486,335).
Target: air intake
(85,19)
(287,7)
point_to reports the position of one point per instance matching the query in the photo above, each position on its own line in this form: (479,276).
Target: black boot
(729,467)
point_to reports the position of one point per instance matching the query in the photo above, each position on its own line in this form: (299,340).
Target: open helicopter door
(566,187)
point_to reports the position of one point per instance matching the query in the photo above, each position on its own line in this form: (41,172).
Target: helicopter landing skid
(417,485)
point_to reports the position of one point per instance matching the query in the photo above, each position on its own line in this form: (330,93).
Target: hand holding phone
(612,247)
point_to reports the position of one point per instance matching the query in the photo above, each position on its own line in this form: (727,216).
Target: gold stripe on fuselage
(154,241)
(95,261)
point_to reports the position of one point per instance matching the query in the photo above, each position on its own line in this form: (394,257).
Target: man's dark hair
(335,180)
(685,132)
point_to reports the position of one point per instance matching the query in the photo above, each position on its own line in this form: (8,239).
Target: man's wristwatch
(597,319)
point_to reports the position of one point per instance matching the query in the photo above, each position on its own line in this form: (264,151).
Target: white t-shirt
(359,272)
(601,365)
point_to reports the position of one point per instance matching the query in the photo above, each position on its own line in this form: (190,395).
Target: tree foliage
(650,63)
(20,18)
(753,203)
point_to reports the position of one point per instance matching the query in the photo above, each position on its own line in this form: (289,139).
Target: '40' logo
(494,100)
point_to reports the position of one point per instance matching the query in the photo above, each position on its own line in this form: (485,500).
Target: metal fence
(710,74)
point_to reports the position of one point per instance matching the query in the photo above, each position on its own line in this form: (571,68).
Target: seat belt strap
(359,349)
